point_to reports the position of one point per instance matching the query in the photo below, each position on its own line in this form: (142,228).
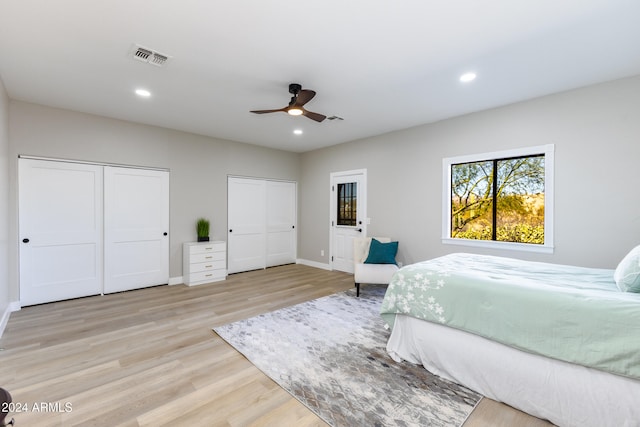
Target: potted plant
(202,228)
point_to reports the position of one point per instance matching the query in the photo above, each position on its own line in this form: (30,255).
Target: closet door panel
(136,228)
(247,220)
(281,223)
(60,226)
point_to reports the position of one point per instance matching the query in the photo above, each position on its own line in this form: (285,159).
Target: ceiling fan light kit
(298,100)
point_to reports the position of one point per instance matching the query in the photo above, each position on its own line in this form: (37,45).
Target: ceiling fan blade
(299,98)
(304,96)
(314,116)
(268,111)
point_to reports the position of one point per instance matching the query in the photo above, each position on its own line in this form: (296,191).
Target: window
(347,203)
(500,199)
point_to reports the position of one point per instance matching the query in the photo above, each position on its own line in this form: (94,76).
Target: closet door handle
(165,233)
(25,240)
(230,231)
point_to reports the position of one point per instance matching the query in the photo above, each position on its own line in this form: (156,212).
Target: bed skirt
(563,393)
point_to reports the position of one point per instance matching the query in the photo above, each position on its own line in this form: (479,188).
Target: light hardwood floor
(149,357)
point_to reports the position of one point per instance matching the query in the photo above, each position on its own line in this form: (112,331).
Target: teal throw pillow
(627,274)
(382,253)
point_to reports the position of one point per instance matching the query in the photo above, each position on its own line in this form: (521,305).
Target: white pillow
(627,274)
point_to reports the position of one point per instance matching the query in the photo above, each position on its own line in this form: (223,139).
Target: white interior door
(246,216)
(60,215)
(281,222)
(136,227)
(348,216)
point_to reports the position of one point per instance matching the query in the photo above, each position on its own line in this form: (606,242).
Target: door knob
(25,240)
(230,231)
(165,233)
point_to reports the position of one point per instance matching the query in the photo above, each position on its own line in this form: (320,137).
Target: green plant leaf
(202,227)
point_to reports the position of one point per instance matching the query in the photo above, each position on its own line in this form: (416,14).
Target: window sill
(508,246)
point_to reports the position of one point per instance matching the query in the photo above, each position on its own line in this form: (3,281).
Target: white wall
(4,207)
(198,165)
(596,132)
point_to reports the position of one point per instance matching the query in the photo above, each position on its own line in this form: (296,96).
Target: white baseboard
(4,319)
(313,264)
(13,306)
(175,280)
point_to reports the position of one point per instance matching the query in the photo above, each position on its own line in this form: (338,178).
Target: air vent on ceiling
(158,59)
(149,56)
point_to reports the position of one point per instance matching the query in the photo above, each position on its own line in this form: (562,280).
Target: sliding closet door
(60,215)
(262,223)
(247,221)
(136,226)
(281,223)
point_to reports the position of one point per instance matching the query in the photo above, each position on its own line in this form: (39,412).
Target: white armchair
(379,274)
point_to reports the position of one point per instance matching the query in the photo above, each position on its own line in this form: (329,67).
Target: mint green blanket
(564,312)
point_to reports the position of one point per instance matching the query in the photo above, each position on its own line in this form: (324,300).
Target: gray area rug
(330,354)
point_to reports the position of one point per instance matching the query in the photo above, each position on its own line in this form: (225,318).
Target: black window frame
(448,201)
(347,195)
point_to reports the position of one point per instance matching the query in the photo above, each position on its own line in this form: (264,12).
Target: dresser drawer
(207,266)
(207,276)
(209,247)
(207,257)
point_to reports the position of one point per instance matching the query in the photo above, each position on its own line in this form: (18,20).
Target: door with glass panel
(348,216)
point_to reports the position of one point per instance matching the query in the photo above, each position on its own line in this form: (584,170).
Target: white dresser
(204,262)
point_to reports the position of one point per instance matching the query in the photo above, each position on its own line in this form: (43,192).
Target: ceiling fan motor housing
(294,88)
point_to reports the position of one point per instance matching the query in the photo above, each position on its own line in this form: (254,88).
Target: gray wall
(199,165)
(596,132)
(4,204)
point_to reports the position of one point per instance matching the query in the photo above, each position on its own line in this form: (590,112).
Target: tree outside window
(499,200)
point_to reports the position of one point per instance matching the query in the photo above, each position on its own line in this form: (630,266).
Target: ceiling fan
(298,100)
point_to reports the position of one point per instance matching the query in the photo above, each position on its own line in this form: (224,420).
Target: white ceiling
(382,65)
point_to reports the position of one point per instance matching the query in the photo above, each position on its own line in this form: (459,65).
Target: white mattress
(563,393)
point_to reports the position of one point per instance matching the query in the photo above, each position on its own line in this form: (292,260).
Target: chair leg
(357,289)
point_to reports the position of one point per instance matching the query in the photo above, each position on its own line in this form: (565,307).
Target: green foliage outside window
(501,200)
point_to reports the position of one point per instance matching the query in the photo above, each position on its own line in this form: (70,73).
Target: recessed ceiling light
(467,77)
(298,131)
(143,93)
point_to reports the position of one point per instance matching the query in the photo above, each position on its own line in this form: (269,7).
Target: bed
(559,342)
